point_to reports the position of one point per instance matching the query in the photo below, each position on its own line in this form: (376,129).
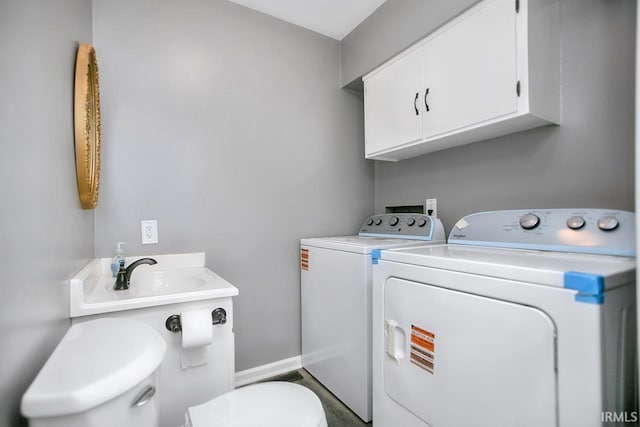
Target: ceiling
(333,18)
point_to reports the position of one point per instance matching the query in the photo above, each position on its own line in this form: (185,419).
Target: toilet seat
(270,404)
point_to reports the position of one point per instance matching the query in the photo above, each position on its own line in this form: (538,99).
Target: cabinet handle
(414,103)
(425,99)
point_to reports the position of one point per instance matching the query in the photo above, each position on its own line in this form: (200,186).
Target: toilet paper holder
(218,317)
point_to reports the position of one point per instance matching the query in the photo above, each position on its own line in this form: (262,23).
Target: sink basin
(161,283)
(174,279)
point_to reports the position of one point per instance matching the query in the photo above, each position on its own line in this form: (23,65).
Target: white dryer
(336,301)
(525,318)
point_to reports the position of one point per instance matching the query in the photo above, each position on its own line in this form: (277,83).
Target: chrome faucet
(124,274)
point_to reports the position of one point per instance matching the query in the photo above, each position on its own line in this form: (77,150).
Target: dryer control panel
(403,225)
(598,231)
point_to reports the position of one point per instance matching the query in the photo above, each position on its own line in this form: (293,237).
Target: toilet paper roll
(197,335)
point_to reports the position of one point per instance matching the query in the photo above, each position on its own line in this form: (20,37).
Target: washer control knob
(393,221)
(378,220)
(575,222)
(608,223)
(411,222)
(370,221)
(529,221)
(422,222)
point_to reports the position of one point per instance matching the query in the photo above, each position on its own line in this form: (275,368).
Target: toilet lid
(94,362)
(270,404)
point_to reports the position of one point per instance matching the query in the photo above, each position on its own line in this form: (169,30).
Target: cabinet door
(393,107)
(470,70)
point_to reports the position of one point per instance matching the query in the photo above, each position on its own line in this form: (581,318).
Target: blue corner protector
(590,287)
(375,256)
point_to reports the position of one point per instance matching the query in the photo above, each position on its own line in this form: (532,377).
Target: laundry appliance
(336,301)
(525,318)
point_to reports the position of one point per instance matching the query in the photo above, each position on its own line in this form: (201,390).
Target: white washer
(336,301)
(482,332)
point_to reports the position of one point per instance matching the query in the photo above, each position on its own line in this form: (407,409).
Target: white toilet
(270,404)
(104,373)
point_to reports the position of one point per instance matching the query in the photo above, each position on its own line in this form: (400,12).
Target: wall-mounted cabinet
(493,70)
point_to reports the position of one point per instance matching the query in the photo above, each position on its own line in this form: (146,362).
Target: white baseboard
(258,373)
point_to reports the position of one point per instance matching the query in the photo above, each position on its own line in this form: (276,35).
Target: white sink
(159,283)
(174,279)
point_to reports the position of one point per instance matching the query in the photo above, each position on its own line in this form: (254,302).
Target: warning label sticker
(423,348)
(304,259)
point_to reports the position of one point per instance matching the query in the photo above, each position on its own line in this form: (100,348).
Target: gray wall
(45,236)
(586,162)
(230,128)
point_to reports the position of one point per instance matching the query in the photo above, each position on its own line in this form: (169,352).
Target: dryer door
(458,359)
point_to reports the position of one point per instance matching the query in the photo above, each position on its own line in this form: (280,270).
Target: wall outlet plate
(149,231)
(431,207)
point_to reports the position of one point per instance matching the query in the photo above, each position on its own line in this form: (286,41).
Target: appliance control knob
(378,220)
(529,221)
(608,223)
(370,221)
(422,222)
(575,222)
(393,221)
(411,221)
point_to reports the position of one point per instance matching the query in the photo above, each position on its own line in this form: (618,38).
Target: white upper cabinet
(491,71)
(470,70)
(395,104)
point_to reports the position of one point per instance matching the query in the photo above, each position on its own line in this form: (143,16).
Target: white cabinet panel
(393,111)
(491,71)
(470,70)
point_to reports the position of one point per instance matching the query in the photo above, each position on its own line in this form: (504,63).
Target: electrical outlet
(432,207)
(149,231)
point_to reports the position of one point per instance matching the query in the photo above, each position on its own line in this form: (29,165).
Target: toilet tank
(103,373)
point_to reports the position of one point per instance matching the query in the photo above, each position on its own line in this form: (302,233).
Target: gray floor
(338,415)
